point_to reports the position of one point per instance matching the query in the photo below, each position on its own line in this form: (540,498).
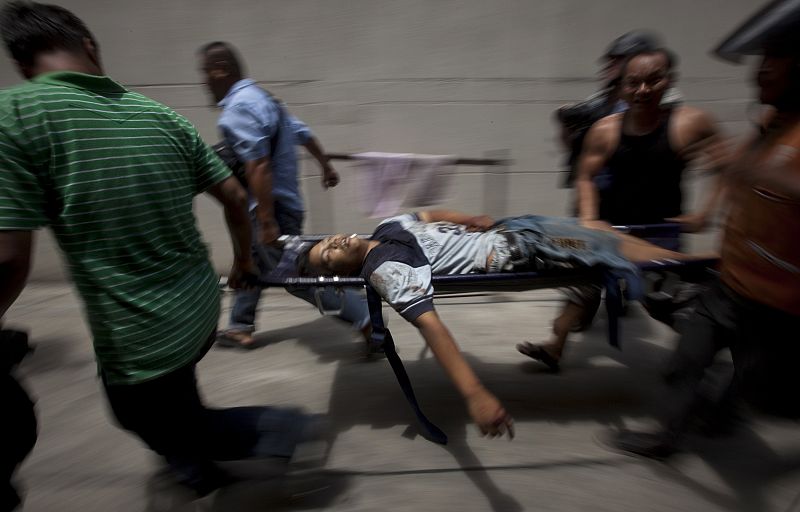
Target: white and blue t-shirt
(411,251)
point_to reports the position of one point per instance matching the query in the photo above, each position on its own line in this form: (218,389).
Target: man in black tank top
(645,177)
(645,151)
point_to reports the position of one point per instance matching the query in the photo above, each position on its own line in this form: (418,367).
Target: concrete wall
(425,76)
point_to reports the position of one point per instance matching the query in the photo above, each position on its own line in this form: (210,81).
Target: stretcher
(286,274)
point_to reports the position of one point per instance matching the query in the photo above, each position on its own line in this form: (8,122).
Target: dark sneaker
(202,478)
(314,446)
(653,445)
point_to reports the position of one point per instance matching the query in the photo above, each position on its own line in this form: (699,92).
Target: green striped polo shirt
(114,174)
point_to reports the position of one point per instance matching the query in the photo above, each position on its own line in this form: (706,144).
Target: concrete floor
(83,463)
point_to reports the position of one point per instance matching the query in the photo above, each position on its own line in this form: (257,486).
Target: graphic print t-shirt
(411,251)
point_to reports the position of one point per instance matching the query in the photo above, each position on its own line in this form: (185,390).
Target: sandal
(234,339)
(540,354)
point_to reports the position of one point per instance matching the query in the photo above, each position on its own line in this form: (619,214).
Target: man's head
(221,68)
(774,33)
(623,47)
(778,73)
(42,38)
(338,255)
(646,76)
(778,80)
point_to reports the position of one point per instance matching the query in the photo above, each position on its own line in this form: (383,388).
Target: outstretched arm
(642,251)
(714,150)
(330,178)
(473,222)
(487,412)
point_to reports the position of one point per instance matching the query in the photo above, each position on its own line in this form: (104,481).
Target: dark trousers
(764,344)
(19,436)
(168,414)
(589,296)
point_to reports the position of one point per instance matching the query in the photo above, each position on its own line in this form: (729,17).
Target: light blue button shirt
(248,123)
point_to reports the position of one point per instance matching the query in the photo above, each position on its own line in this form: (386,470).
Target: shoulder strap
(273,141)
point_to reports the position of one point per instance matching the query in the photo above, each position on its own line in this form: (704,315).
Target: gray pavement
(83,463)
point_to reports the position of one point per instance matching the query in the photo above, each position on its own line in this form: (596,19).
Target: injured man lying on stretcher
(404,252)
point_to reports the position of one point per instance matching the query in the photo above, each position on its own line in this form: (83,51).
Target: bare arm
(596,151)
(259,181)
(473,222)
(485,409)
(709,145)
(715,198)
(234,201)
(15,261)
(330,178)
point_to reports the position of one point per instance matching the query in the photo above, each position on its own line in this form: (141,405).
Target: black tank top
(645,179)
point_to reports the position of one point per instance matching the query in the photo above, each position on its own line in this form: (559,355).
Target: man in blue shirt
(263,135)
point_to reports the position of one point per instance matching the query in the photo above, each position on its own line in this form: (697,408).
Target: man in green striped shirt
(114,175)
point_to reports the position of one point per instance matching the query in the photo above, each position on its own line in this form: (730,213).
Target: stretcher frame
(285,275)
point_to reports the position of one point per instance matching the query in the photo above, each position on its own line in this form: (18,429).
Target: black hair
(223,52)
(30,28)
(306,269)
(672,59)
(636,41)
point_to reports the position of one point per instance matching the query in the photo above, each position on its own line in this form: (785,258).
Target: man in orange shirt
(754,308)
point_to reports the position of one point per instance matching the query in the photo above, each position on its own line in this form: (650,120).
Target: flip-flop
(540,354)
(230,340)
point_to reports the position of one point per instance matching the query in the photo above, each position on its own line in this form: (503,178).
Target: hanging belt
(382,338)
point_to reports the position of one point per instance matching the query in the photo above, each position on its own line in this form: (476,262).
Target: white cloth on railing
(389,181)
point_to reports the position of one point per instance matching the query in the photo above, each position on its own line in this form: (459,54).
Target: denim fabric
(556,240)
(351,303)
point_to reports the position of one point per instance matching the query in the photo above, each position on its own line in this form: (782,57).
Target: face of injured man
(338,254)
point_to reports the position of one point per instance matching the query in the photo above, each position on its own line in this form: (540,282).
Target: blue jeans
(351,303)
(561,239)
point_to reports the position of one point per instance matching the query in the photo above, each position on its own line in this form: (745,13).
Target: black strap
(381,337)
(273,141)
(228,156)
(613,309)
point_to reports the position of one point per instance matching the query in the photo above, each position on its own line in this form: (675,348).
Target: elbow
(239,198)
(234,198)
